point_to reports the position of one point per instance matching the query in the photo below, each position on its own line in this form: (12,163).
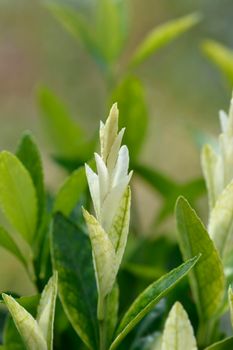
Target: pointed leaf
(29,155)
(71,192)
(17,195)
(104,258)
(162,35)
(209,160)
(7,242)
(178,331)
(208,289)
(120,227)
(72,258)
(46,310)
(220,56)
(26,325)
(221,220)
(149,297)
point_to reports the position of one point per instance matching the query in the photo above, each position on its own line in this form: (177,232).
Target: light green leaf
(230,299)
(28,153)
(220,56)
(77,25)
(133,113)
(46,310)
(208,161)
(72,258)
(68,137)
(120,227)
(7,242)
(17,195)
(104,259)
(111,28)
(207,288)
(26,325)
(221,219)
(162,35)
(178,331)
(225,344)
(149,298)
(71,192)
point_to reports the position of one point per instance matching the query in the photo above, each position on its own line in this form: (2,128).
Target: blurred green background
(183,90)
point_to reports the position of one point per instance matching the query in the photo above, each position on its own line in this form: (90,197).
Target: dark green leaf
(225,344)
(29,155)
(149,297)
(207,288)
(72,258)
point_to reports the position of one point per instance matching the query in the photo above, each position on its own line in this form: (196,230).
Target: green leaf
(112,312)
(46,310)
(220,56)
(11,338)
(133,113)
(208,160)
(225,344)
(149,298)
(221,220)
(7,242)
(163,35)
(68,138)
(104,257)
(230,299)
(111,28)
(17,195)
(71,192)
(178,332)
(207,288)
(27,326)
(72,258)
(28,153)
(77,25)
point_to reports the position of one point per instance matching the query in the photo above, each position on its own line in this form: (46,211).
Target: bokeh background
(183,90)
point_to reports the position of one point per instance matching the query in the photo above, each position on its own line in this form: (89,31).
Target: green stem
(102,308)
(206,332)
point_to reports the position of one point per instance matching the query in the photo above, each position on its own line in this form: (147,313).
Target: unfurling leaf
(27,326)
(149,298)
(208,288)
(18,196)
(221,219)
(178,331)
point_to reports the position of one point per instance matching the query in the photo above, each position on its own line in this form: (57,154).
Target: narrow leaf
(178,331)
(46,310)
(17,195)
(7,242)
(71,192)
(149,298)
(26,325)
(208,289)
(72,258)
(208,161)
(230,299)
(163,35)
(29,155)
(221,220)
(221,56)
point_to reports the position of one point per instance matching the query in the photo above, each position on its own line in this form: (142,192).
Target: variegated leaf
(104,258)
(46,310)
(27,326)
(178,331)
(221,221)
